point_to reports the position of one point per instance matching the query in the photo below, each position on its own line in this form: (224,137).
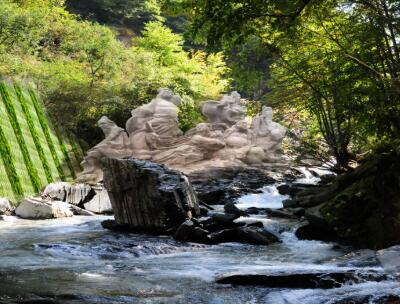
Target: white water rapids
(75,260)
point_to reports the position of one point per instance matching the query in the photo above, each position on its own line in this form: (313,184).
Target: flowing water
(75,260)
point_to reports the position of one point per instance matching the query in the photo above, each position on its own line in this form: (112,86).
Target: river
(74,260)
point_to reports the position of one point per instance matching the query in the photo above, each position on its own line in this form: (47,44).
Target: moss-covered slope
(32,152)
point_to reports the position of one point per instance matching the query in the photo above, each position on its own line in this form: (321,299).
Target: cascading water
(76,260)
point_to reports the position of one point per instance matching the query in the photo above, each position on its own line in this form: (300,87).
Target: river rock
(81,212)
(246,235)
(72,193)
(231,208)
(100,203)
(147,196)
(37,208)
(321,280)
(5,206)
(228,184)
(184,230)
(390,259)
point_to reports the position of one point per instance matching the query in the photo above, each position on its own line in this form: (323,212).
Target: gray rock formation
(5,206)
(38,208)
(100,203)
(228,139)
(390,259)
(71,193)
(148,197)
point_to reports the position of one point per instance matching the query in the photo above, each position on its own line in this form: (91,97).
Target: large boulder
(321,280)
(37,208)
(147,196)
(245,235)
(390,259)
(5,206)
(100,203)
(72,193)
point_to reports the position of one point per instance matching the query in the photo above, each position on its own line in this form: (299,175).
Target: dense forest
(330,67)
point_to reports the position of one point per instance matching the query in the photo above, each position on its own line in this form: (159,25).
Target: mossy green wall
(32,152)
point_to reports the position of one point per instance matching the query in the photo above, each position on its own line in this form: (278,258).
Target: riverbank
(75,260)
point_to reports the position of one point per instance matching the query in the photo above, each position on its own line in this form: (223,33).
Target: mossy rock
(367,212)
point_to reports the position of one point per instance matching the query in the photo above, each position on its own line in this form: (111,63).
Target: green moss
(367,212)
(8,162)
(46,131)
(34,133)
(32,172)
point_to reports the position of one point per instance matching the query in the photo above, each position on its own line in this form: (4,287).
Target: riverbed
(75,260)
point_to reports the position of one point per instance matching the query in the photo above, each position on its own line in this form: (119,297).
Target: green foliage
(8,162)
(83,71)
(189,114)
(46,131)
(336,60)
(34,133)
(133,13)
(31,169)
(21,135)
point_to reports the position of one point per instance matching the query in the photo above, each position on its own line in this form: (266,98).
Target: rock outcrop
(5,206)
(75,194)
(100,203)
(148,197)
(152,133)
(37,208)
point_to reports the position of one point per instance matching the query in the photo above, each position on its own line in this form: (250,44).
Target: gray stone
(184,231)
(5,206)
(78,211)
(38,208)
(70,193)
(147,196)
(100,203)
(390,259)
(246,235)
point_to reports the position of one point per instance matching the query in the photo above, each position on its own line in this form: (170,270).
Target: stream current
(75,260)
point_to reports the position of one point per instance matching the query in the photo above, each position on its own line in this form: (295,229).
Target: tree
(337,59)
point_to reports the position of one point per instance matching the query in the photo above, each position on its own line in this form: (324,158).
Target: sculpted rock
(228,111)
(116,145)
(37,208)
(226,140)
(148,197)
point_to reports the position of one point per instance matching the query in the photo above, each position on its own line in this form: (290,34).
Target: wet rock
(299,211)
(81,212)
(279,213)
(5,206)
(203,211)
(326,179)
(75,194)
(148,197)
(312,232)
(220,221)
(247,235)
(228,184)
(390,259)
(256,224)
(37,208)
(289,203)
(231,208)
(321,280)
(361,258)
(224,218)
(100,203)
(184,230)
